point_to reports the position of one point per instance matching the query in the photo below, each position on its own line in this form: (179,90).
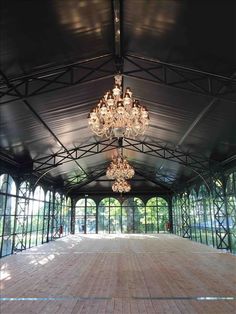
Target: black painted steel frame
(44,165)
(199,163)
(180,77)
(22,219)
(186,225)
(22,210)
(217,193)
(220,212)
(53,79)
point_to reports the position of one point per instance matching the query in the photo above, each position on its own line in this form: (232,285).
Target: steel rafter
(52,79)
(64,156)
(80,180)
(180,77)
(194,162)
(68,75)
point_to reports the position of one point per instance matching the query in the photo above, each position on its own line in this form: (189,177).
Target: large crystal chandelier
(121,185)
(118,115)
(120,168)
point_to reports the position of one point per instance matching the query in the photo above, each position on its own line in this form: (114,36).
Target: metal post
(72,216)
(220,214)
(169,201)
(186,226)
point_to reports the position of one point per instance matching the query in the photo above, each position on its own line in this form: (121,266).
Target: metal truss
(180,77)
(52,79)
(195,162)
(21,219)
(220,213)
(94,69)
(186,224)
(189,160)
(80,180)
(64,156)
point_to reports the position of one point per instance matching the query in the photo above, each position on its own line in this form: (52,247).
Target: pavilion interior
(167,245)
(58,58)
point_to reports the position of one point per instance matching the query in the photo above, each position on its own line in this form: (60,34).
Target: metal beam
(65,156)
(197,163)
(175,155)
(51,79)
(184,78)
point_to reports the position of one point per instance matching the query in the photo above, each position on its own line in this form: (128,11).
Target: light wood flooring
(100,274)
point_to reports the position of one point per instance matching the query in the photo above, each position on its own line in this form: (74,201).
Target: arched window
(157,215)
(231,209)
(176,212)
(48,217)
(204,217)
(133,215)
(68,216)
(7,213)
(80,216)
(194,221)
(63,216)
(109,215)
(209,216)
(37,216)
(56,223)
(85,216)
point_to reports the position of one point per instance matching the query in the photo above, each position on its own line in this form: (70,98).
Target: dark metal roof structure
(58,58)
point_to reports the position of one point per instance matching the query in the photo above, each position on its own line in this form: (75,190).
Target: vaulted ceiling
(58,58)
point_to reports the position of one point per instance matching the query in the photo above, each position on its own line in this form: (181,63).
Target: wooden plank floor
(119,274)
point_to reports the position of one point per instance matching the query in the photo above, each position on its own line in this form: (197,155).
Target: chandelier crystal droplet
(119,168)
(121,185)
(118,115)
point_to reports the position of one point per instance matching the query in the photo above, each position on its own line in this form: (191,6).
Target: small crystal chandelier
(120,168)
(121,185)
(118,115)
